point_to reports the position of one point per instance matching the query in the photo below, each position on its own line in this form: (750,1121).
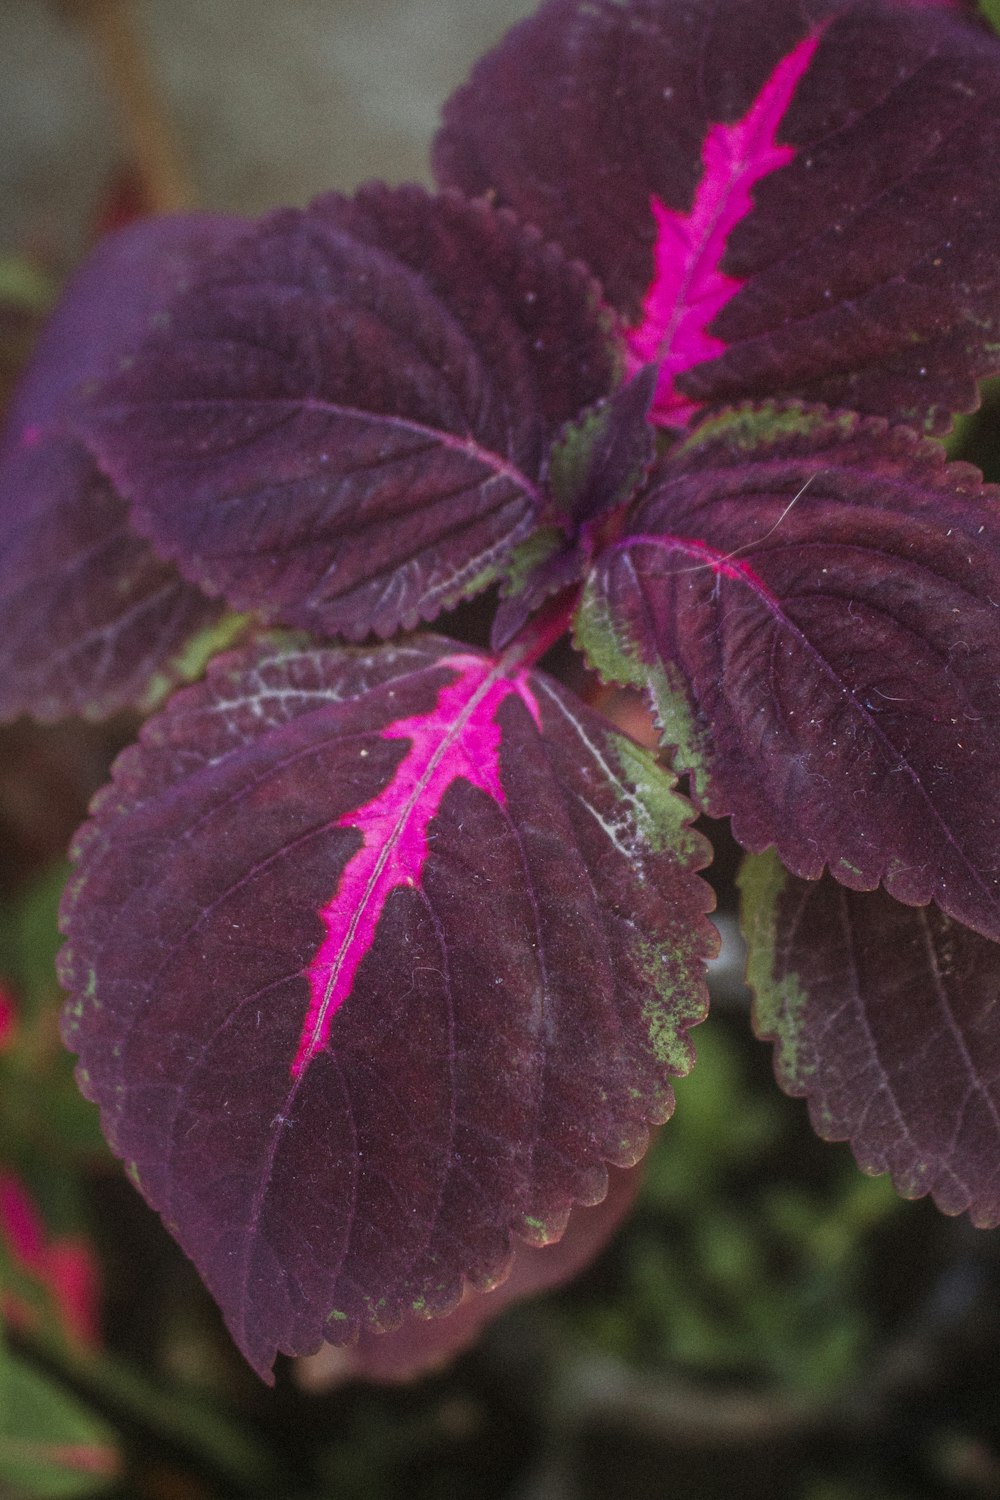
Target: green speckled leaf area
(657,821)
(613,652)
(610,653)
(884,1018)
(571,455)
(780,1002)
(661,819)
(753,428)
(528,556)
(190,660)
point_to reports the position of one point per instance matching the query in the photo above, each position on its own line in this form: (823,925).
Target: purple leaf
(376,959)
(600,459)
(595,466)
(799,200)
(418,1348)
(885,1019)
(345,423)
(813,602)
(113,300)
(90,618)
(546,563)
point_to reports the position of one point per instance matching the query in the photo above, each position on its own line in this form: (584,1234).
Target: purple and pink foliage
(428,941)
(381,956)
(865,274)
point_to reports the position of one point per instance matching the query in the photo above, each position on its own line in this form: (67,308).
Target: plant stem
(542,631)
(146,125)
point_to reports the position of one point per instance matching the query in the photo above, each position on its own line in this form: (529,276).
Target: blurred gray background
(269,101)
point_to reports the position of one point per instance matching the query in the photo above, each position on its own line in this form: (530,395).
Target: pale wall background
(272,100)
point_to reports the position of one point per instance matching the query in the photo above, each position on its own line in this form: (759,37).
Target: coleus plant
(382,947)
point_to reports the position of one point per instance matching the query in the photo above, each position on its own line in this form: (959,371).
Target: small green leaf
(530,555)
(51,1444)
(29,942)
(601,458)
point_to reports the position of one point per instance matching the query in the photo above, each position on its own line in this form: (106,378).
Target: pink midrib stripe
(688,289)
(394,827)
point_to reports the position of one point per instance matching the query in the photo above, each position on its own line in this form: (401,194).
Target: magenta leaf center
(688,288)
(459,738)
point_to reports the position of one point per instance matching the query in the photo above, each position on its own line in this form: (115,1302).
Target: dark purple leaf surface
(813,601)
(418,1348)
(885,1018)
(344,424)
(376,959)
(796,199)
(90,618)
